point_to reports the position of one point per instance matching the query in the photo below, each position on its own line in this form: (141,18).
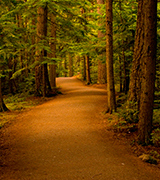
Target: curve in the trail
(65,139)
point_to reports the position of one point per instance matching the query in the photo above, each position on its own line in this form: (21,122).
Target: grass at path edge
(19,103)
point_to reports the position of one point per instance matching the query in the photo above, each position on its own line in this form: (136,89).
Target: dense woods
(99,41)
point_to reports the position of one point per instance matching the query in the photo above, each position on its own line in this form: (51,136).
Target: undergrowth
(17,103)
(156,121)
(127,122)
(128,116)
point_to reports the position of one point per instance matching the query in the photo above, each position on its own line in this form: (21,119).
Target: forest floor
(67,139)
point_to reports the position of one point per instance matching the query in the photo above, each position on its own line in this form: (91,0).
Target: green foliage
(156,116)
(156,137)
(4,118)
(17,31)
(152,160)
(94,70)
(18,73)
(18,101)
(129,112)
(28,85)
(124,26)
(156,120)
(155,154)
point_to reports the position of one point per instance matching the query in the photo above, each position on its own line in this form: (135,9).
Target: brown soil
(66,139)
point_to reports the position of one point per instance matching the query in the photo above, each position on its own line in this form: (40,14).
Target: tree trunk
(65,67)
(70,66)
(109,58)
(124,71)
(88,70)
(136,72)
(10,73)
(101,65)
(53,54)
(38,70)
(125,78)
(148,59)
(44,80)
(41,34)
(33,41)
(2,104)
(26,53)
(120,74)
(84,68)
(45,70)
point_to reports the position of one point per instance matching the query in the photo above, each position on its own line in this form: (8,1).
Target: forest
(99,41)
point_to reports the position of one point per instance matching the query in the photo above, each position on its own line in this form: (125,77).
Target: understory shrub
(129,112)
(156,137)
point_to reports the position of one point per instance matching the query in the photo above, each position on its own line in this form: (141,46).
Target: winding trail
(65,139)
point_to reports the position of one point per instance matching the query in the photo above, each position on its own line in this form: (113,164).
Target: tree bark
(65,67)
(3,107)
(109,58)
(70,66)
(148,58)
(53,54)
(125,77)
(136,72)
(120,74)
(101,65)
(84,68)
(88,70)
(12,85)
(125,88)
(33,41)
(41,34)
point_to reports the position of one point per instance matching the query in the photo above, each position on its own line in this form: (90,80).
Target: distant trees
(124,23)
(37,35)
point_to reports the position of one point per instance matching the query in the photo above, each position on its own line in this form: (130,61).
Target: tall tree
(123,57)
(109,58)
(101,35)
(70,65)
(83,60)
(86,57)
(148,62)
(65,66)
(41,70)
(88,77)
(135,77)
(142,81)
(53,49)
(3,107)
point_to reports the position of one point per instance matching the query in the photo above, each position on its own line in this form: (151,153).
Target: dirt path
(65,139)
